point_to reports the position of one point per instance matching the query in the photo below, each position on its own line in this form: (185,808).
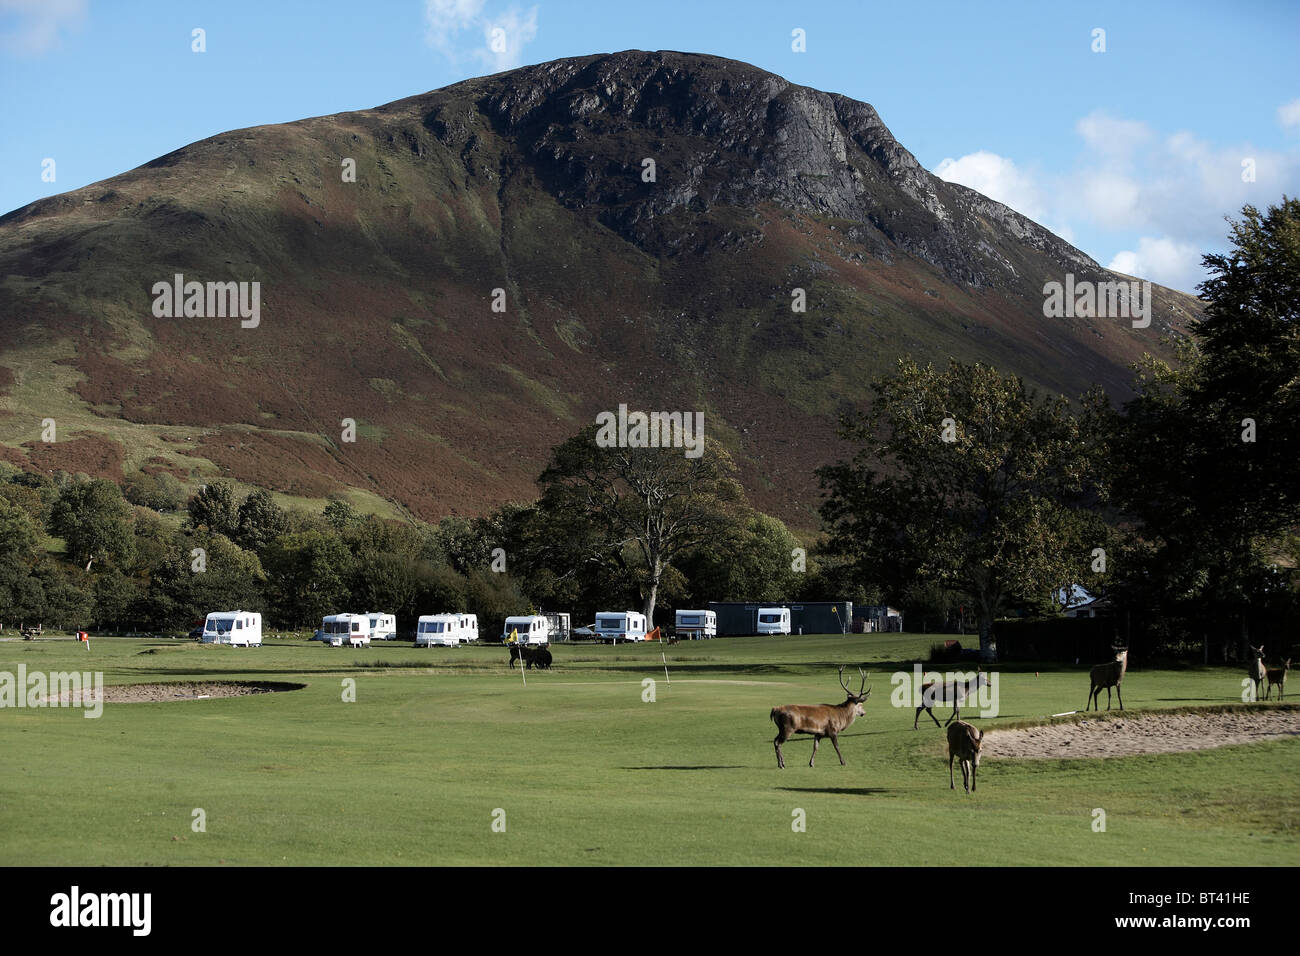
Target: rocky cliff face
(671,291)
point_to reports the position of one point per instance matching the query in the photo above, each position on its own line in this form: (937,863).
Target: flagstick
(666,677)
(522,666)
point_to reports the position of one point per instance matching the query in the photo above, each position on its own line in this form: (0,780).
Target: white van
(338,629)
(697,624)
(237,628)
(383,627)
(446,630)
(533,629)
(774,620)
(620,626)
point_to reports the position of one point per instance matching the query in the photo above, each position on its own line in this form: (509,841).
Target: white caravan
(620,626)
(383,627)
(697,624)
(774,620)
(352,629)
(237,628)
(533,629)
(446,630)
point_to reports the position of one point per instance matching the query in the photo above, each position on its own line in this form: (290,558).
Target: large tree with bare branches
(638,507)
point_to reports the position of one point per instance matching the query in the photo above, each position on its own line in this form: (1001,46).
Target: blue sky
(1135,154)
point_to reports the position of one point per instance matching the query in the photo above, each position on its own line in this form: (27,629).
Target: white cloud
(451,26)
(996,177)
(1164,261)
(1160,197)
(32,27)
(1288,115)
(1111,137)
(505,48)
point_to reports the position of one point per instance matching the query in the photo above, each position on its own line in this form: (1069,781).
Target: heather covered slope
(376,294)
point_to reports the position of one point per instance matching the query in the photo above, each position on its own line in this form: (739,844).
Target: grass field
(589,773)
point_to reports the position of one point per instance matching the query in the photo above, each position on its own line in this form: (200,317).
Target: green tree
(308,574)
(654,502)
(260,521)
(1204,458)
(967,479)
(22,598)
(94,521)
(214,509)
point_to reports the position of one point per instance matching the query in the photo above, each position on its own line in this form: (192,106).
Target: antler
(863,684)
(842,684)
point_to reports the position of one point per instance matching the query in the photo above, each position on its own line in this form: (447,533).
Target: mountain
(376,294)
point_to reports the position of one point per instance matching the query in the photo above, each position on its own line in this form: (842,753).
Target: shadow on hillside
(845,791)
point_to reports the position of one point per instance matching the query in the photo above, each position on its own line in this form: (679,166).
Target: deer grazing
(820,720)
(538,657)
(953,691)
(1255,669)
(1277,675)
(964,743)
(1108,675)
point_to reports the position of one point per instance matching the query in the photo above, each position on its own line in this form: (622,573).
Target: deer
(954,690)
(820,720)
(1277,675)
(1108,675)
(538,657)
(964,743)
(1255,668)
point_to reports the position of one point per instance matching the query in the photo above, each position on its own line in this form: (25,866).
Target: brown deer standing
(1277,675)
(954,691)
(820,720)
(1108,675)
(1255,668)
(964,742)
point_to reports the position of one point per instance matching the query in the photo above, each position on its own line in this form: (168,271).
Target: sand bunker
(187,690)
(1147,734)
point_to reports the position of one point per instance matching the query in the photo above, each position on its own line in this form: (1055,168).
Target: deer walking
(964,743)
(954,691)
(820,720)
(1255,669)
(1277,675)
(1108,675)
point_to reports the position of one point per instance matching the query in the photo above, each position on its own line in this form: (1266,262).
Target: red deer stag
(954,692)
(1277,675)
(1108,675)
(964,743)
(1255,669)
(820,720)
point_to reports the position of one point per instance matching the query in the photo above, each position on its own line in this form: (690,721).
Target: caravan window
(691,619)
(239,625)
(769,618)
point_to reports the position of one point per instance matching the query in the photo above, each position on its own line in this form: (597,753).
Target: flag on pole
(654,636)
(514,636)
